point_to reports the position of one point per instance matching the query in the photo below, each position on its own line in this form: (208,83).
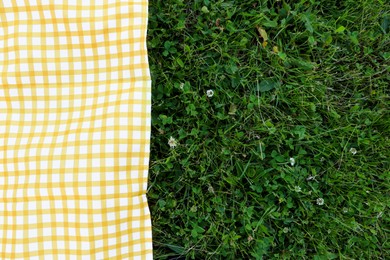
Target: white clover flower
(210,93)
(181,86)
(345,210)
(172,142)
(292,161)
(320,201)
(285,230)
(353,151)
(297,189)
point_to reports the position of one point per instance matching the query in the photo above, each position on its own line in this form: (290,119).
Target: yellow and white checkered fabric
(74,130)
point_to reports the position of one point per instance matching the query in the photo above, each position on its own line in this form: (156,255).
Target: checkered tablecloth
(74,130)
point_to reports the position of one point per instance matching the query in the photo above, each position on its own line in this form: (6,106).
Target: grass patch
(288,156)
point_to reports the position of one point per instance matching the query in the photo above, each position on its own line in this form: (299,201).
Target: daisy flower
(172,142)
(210,93)
(320,201)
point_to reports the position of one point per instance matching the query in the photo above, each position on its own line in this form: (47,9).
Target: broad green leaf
(205,10)
(340,29)
(270,23)
(305,65)
(167,45)
(308,24)
(180,62)
(300,131)
(267,85)
(230,27)
(280,158)
(177,249)
(354,37)
(199,229)
(282,55)
(311,40)
(327,38)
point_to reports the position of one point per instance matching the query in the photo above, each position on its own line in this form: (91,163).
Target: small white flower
(297,189)
(210,93)
(345,210)
(353,151)
(285,230)
(292,161)
(320,201)
(172,142)
(181,86)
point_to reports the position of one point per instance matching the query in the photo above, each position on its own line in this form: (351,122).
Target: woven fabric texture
(74,130)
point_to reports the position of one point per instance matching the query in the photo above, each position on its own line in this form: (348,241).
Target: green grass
(318,90)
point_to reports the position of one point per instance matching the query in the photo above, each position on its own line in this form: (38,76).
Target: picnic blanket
(74,130)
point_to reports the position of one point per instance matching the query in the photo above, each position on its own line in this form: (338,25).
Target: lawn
(270,129)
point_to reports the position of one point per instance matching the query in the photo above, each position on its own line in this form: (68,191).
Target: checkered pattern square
(74,130)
